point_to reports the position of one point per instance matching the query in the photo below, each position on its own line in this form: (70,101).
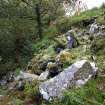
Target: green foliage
(63,25)
(17,71)
(17,102)
(99,45)
(6,66)
(99,50)
(41,45)
(101,20)
(31,89)
(19,29)
(87,95)
(50,32)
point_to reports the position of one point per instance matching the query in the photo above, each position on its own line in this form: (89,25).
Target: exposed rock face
(75,75)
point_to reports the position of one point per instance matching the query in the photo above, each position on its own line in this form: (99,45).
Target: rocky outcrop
(75,75)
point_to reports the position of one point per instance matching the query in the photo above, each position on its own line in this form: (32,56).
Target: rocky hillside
(69,70)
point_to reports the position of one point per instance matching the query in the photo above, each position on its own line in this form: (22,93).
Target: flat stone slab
(75,75)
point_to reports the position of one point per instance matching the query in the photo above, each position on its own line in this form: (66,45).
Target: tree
(42,9)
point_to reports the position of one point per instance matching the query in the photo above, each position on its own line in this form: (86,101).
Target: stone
(20,86)
(70,39)
(100,34)
(60,43)
(43,76)
(64,56)
(10,77)
(93,28)
(87,22)
(3,82)
(26,76)
(58,48)
(75,75)
(52,68)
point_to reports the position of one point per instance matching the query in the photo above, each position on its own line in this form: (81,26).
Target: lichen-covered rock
(75,75)
(93,28)
(33,65)
(64,57)
(60,43)
(72,39)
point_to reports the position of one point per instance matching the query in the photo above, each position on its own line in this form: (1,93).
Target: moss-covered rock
(65,57)
(100,45)
(53,69)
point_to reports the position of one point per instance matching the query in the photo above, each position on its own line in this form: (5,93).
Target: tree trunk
(37,9)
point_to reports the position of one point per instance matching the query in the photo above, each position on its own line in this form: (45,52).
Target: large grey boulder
(75,75)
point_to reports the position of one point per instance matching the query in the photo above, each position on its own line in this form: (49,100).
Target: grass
(85,15)
(47,39)
(87,95)
(90,94)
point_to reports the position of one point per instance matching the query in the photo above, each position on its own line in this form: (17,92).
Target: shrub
(32,91)
(63,25)
(18,102)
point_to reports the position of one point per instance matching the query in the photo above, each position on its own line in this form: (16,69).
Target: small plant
(32,91)
(17,102)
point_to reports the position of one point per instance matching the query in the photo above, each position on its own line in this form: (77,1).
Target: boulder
(53,69)
(3,82)
(9,77)
(26,76)
(75,75)
(93,28)
(43,76)
(64,57)
(30,77)
(60,43)
(87,22)
(20,86)
(70,39)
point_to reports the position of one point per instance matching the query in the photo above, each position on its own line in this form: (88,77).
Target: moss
(99,50)
(101,20)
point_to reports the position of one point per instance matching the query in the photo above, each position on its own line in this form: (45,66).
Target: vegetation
(21,25)
(29,31)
